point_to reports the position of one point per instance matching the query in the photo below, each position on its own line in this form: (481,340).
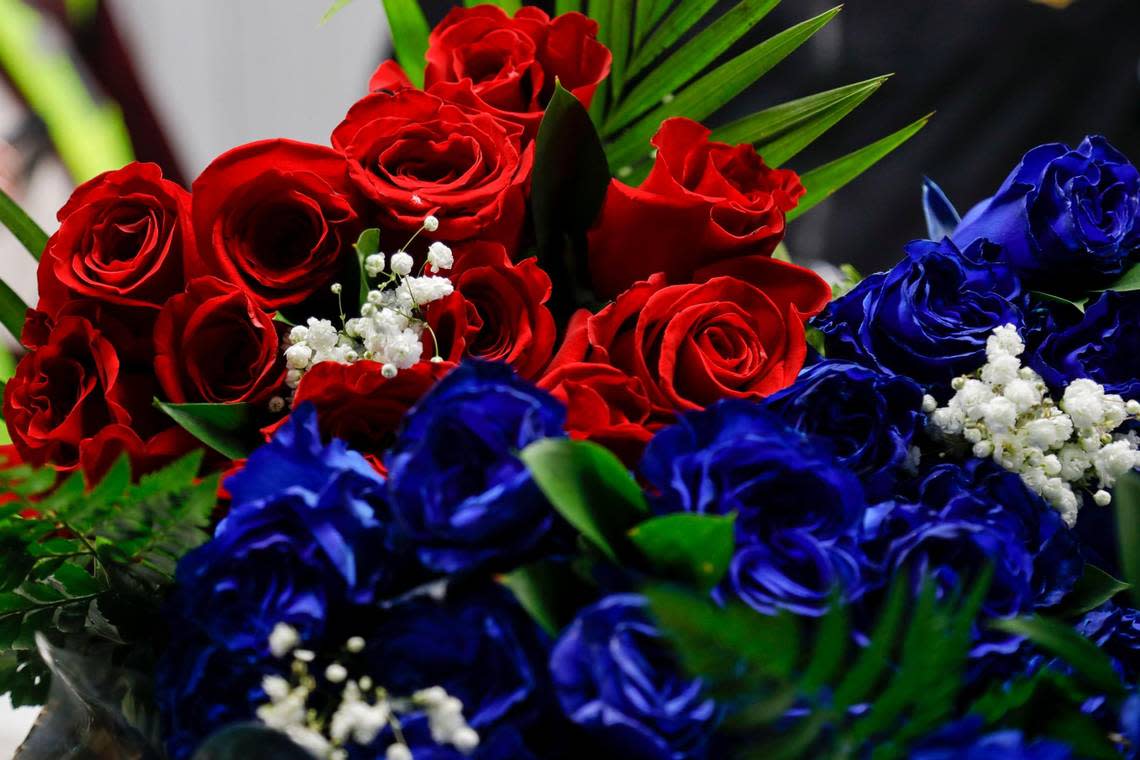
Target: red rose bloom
(277,218)
(357,404)
(63,394)
(497,312)
(736,332)
(508,66)
(413,154)
(702,202)
(124,237)
(97,455)
(213,344)
(604,405)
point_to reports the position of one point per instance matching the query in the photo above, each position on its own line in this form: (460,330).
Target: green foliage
(335,8)
(687,547)
(552,591)
(1092,589)
(1128,282)
(409,36)
(567,190)
(824,181)
(229,429)
(758,666)
(30,235)
(88,564)
(1062,640)
(1126,501)
(589,487)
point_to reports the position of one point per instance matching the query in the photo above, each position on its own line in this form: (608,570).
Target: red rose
(736,332)
(702,202)
(277,218)
(507,66)
(413,154)
(63,394)
(124,237)
(497,312)
(213,344)
(604,405)
(97,455)
(357,404)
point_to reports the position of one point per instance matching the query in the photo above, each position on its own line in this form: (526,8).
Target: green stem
(21,225)
(12,310)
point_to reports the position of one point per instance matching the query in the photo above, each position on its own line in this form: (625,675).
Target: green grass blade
(689,61)
(409,36)
(335,8)
(825,180)
(682,19)
(875,658)
(510,6)
(22,226)
(780,150)
(12,310)
(567,6)
(705,95)
(621,23)
(771,123)
(599,10)
(648,13)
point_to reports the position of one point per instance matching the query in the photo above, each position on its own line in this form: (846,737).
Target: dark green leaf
(12,310)
(874,660)
(1092,589)
(567,6)
(941,216)
(114,483)
(250,742)
(621,22)
(1126,500)
(550,591)
(21,225)
(588,486)
(1079,304)
(648,13)
(825,180)
(1061,640)
(687,547)
(366,245)
(569,184)
(708,93)
(510,6)
(771,123)
(829,648)
(687,62)
(683,18)
(230,429)
(409,36)
(1129,281)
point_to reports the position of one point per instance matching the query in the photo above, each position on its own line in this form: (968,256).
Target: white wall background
(220,73)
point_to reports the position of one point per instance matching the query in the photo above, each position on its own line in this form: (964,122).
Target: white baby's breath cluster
(390,327)
(365,709)
(1004,411)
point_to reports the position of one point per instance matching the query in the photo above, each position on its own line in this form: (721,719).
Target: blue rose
(964,740)
(956,520)
(305,537)
(796,507)
(1103,346)
(1066,219)
(929,317)
(455,482)
(615,676)
(481,647)
(871,420)
(1116,630)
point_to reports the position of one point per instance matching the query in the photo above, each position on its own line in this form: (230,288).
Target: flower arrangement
(504,427)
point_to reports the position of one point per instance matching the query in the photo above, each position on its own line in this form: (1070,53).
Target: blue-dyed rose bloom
(1116,630)
(1103,346)
(306,537)
(929,317)
(455,483)
(616,677)
(963,740)
(484,649)
(956,520)
(796,506)
(870,419)
(1066,218)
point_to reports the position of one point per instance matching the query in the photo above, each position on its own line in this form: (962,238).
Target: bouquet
(504,427)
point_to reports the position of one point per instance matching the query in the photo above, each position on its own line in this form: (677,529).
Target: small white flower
(398,752)
(336,673)
(389,371)
(276,688)
(1004,341)
(1102,498)
(929,403)
(402,263)
(374,264)
(1001,370)
(309,740)
(355,644)
(283,639)
(298,356)
(439,257)
(1000,414)
(431,223)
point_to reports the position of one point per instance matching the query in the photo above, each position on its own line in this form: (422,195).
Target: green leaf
(366,245)
(1092,589)
(683,18)
(621,20)
(12,310)
(824,181)
(569,184)
(409,36)
(1126,501)
(335,8)
(829,647)
(1128,282)
(772,123)
(1061,640)
(1079,304)
(550,591)
(708,93)
(874,660)
(784,148)
(230,429)
(567,6)
(648,13)
(588,486)
(510,6)
(21,225)
(688,547)
(691,59)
